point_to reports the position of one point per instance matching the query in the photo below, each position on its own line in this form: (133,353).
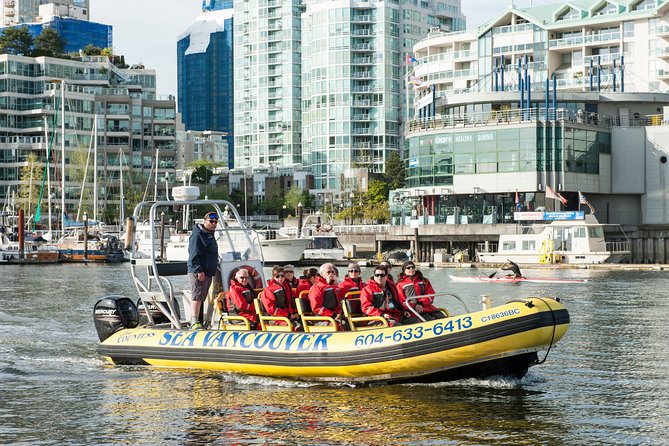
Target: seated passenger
(379,298)
(240,297)
(386,264)
(277,297)
(309,277)
(352,281)
(291,279)
(411,286)
(324,295)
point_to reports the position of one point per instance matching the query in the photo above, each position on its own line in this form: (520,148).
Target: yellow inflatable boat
(503,340)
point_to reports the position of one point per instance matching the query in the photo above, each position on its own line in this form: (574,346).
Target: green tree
(273,204)
(394,175)
(377,212)
(78,169)
(202,171)
(49,43)
(92,50)
(31,182)
(295,196)
(377,191)
(16,40)
(237,198)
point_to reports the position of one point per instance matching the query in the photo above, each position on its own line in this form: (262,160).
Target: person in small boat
(324,295)
(379,298)
(352,281)
(240,297)
(202,264)
(386,264)
(277,297)
(307,280)
(411,286)
(513,267)
(291,279)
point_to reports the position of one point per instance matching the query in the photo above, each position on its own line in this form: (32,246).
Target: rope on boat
(552,336)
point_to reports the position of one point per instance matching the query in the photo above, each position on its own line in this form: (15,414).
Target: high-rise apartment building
(135,127)
(354,56)
(267,62)
(205,73)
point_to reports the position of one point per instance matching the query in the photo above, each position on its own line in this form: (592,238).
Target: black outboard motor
(156,314)
(113,313)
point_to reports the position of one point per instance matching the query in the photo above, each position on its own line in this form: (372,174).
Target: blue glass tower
(204,74)
(76,33)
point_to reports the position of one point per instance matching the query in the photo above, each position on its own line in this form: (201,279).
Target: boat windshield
(325,243)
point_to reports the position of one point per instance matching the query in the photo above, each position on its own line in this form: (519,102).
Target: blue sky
(146,31)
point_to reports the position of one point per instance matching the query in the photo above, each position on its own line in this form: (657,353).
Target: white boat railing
(361,229)
(618,247)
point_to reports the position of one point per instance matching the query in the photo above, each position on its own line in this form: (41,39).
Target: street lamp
(352,197)
(283,212)
(299,219)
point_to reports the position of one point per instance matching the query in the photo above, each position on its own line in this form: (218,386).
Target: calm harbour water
(606,382)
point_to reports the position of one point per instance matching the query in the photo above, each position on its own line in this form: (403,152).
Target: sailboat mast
(95,168)
(62,156)
(120,166)
(48,174)
(155,185)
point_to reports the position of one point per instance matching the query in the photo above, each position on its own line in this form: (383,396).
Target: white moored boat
(324,245)
(278,248)
(562,241)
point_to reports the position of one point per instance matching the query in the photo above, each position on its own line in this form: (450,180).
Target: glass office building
(565,98)
(205,74)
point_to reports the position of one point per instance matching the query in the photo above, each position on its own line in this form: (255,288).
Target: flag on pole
(583,200)
(410,59)
(416,81)
(550,193)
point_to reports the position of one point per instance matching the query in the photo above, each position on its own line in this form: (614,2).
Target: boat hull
(283,251)
(578,258)
(501,341)
(507,279)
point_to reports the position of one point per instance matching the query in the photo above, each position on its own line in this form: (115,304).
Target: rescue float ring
(256,278)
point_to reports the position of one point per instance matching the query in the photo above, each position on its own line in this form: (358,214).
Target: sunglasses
(410,267)
(243,277)
(213,221)
(380,275)
(280,275)
(353,270)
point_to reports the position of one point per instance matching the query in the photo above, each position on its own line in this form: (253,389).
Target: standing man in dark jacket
(202,264)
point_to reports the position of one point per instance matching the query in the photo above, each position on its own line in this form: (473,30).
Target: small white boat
(324,245)
(277,248)
(561,241)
